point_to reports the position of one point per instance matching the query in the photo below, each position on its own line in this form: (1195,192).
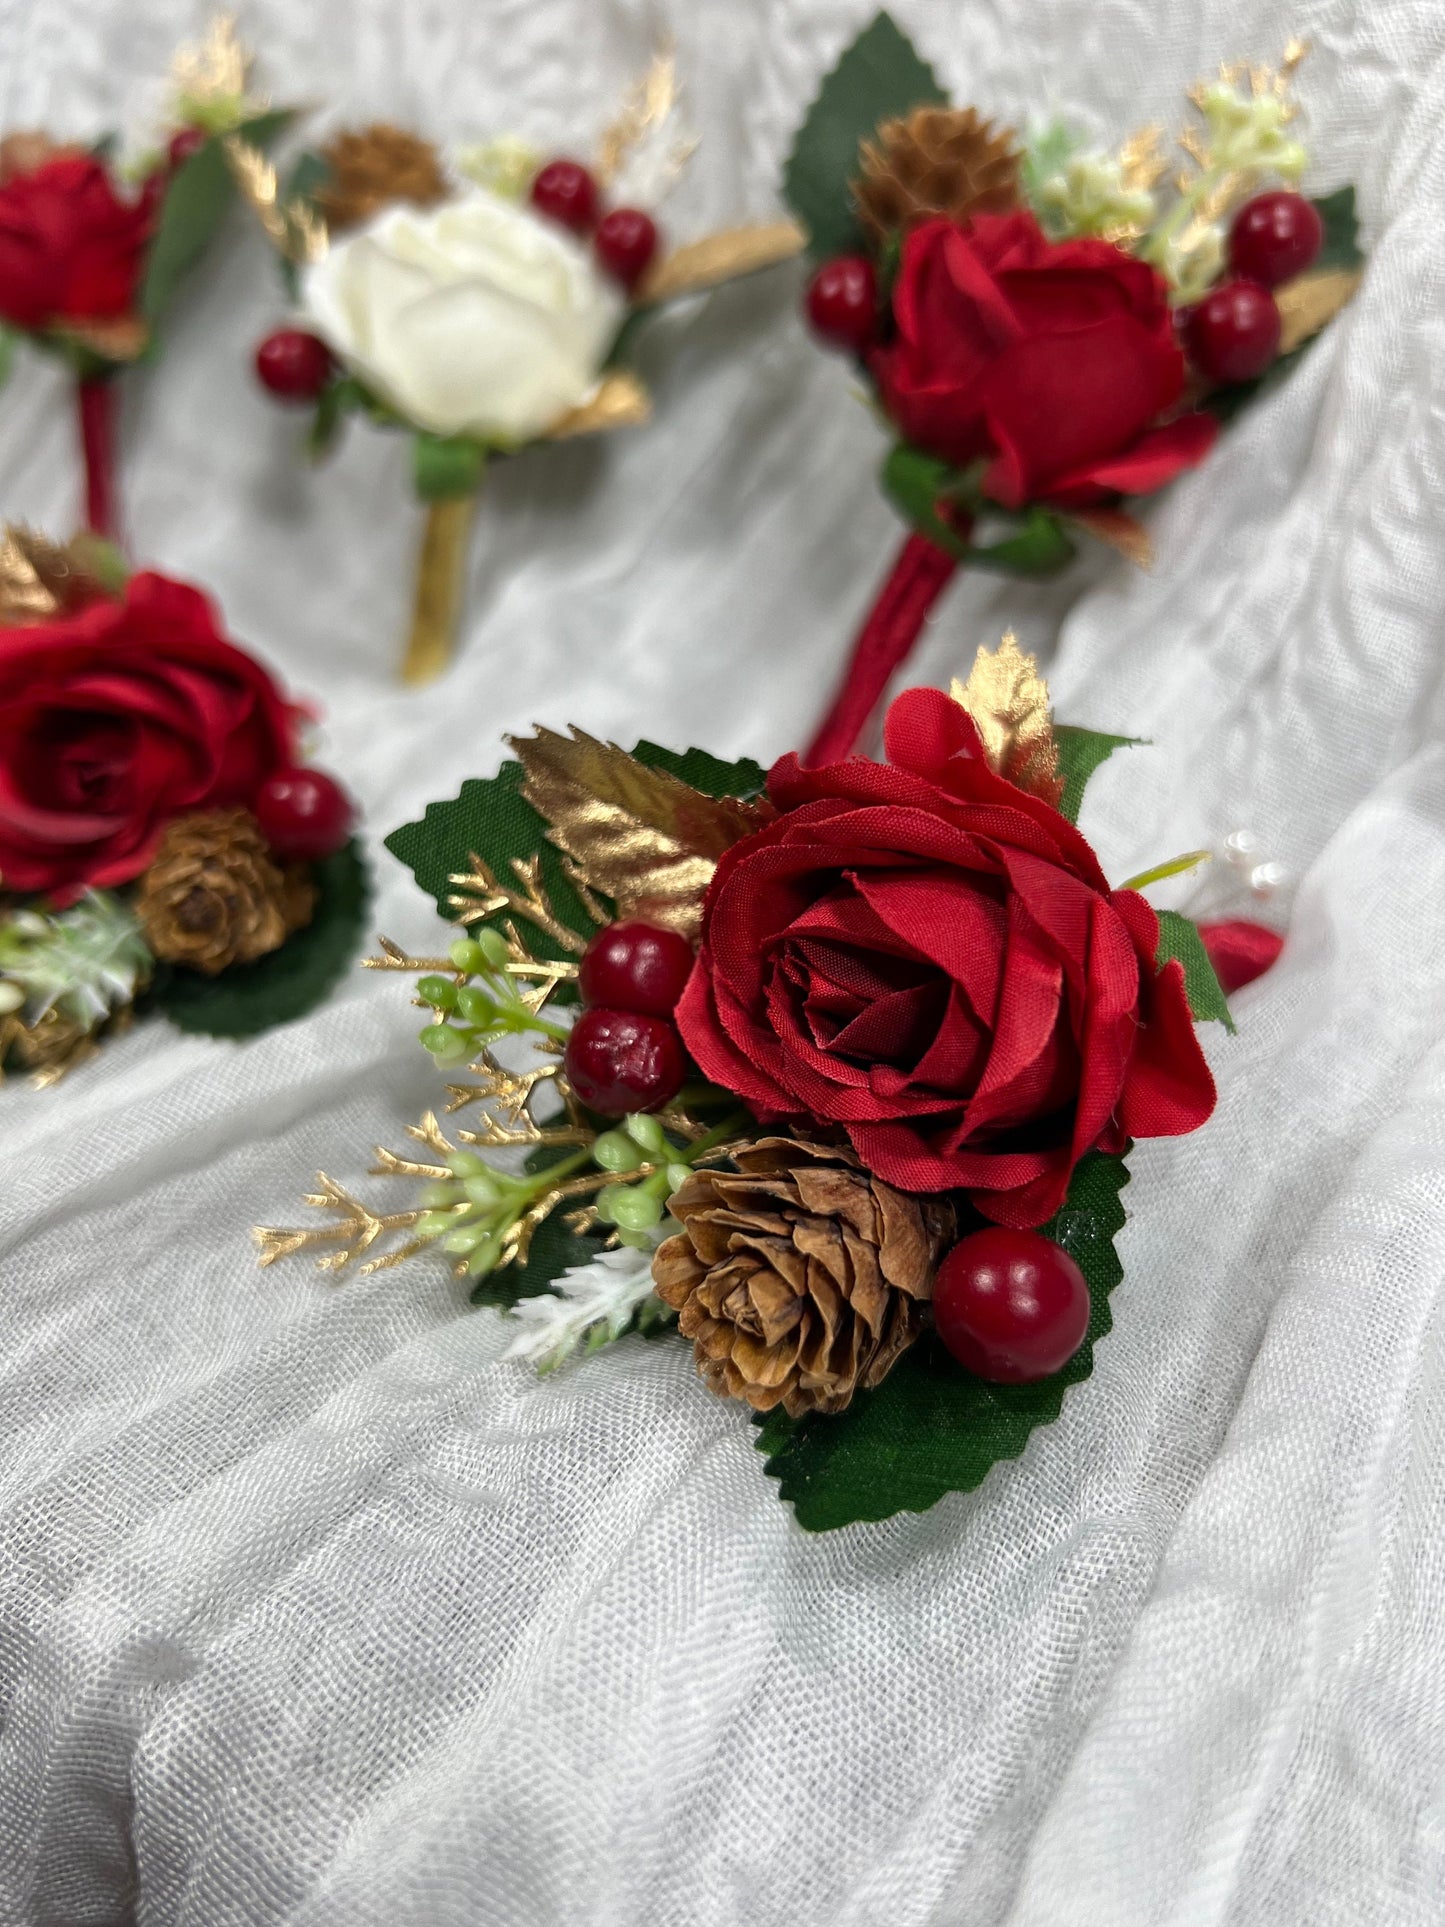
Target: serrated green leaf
(878,76)
(1341,245)
(444,466)
(491,817)
(931,1427)
(1179,937)
(195,204)
(293,980)
(1080,753)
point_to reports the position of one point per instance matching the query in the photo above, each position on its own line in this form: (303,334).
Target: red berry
(626,241)
(635,966)
(1233,334)
(564,191)
(1010,1305)
(304,814)
(842,302)
(183,143)
(293,365)
(1240,950)
(620,1061)
(1275,237)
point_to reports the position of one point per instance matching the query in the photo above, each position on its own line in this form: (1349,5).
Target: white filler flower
(478,317)
(589,1306)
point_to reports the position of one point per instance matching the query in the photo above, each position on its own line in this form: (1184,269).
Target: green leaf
(1179,937)
(1080,753)
(705,772)
(446,465)
(931,1427)
(491,817)
(341,397)
(8,338)
(1341,246)
(1041,547)
(293,980)
(195,204)
(915,483)
(878,76)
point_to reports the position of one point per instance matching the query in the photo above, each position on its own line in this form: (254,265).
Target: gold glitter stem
(440,569)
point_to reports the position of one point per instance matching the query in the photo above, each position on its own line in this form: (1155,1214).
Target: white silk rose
(477,317)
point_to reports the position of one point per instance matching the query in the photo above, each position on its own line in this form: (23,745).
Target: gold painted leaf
(621,401)
(638,835)
(39,578)
(1009,702)
(1306,304)
(1121,531)
(720,257)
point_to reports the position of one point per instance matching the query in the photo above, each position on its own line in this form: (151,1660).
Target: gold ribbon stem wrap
(440,569)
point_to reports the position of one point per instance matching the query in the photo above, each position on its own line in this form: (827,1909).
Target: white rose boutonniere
(478,317)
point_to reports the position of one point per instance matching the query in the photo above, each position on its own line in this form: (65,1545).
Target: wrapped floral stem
(97,407)
(1051,333)
(479,302)
(440,579)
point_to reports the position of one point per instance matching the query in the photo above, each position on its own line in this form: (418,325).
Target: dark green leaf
(294,979)
(916,483)
(8,339)
(1341,247)
(1179,937)
(1080,753)
(1041,547)
(706,772)
(491,817)
(195,203)
(931,1427)
(308,172)
(446,465)
(340,397)
(878,76)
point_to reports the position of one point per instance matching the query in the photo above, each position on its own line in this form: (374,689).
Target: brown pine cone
(936,160)
(799,1276)
(371,167)
(215,896)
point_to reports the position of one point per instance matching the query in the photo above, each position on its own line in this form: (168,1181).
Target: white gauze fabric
(312,1609)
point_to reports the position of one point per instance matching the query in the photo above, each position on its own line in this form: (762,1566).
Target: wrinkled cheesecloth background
(312,1610)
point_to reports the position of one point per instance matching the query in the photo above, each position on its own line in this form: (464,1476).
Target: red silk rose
(1052,361)
(70,248)
(114,719)
(932,959)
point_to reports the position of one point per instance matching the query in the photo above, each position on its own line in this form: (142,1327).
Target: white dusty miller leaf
(590,1306)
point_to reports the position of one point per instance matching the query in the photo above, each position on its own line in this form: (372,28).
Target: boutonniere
(1050,330)
(480,302)
(93,245)
(164,845)
(832,1072)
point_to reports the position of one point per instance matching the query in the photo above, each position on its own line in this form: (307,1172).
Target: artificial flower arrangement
(480,304)
(833,1071)
(1050,334)
(92,250)
(163,846)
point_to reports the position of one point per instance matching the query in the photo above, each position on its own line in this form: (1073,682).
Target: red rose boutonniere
(837,1069)
(1048,333)
(162,842)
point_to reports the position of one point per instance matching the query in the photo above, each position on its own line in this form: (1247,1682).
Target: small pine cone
(799,1276)
(215,896)
(372,167)
(936,160)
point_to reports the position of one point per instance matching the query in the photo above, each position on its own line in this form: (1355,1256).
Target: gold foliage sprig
(638,835)
(720,257)
(40,578)
(293,227)
(1009,702)
(650,105)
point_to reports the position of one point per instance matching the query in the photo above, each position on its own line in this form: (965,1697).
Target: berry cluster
(624,238)
(1233,334)
(623,1053)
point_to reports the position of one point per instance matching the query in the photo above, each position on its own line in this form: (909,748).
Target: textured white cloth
(313,1610)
